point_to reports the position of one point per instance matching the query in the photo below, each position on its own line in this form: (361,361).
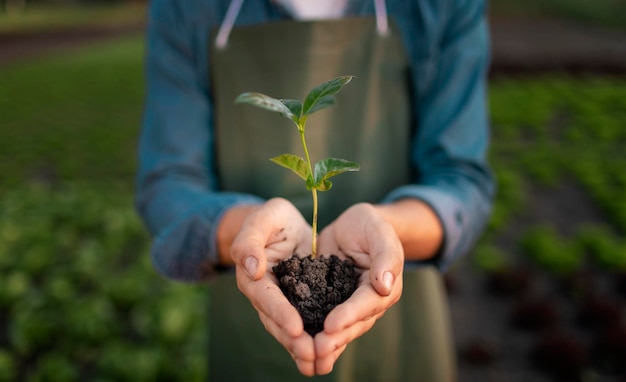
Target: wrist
(228,228)
(417,225)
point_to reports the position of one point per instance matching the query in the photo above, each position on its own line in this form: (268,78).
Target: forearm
(183,218)
(417,226)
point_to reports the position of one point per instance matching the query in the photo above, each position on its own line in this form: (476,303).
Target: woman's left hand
(363,235)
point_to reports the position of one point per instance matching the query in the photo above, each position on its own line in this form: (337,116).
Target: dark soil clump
(620,283)
(314,286)
(536,314)
(561,355)
(480,352)
(600,312)
(509,281)
(609,350)
(580,284)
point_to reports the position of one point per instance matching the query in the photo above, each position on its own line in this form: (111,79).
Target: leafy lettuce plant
(316,176)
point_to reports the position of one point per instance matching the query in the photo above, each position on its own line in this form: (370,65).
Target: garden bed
(541,298)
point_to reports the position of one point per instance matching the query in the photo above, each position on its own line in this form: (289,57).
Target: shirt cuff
(449,210)
(187,249)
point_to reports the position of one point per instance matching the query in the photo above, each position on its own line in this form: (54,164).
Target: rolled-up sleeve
(452,135)
(177,187)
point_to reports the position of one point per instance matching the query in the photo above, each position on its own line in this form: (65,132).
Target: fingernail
(387,280)
(250,265)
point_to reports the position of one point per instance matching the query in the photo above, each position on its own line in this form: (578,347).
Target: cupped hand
(364,236)
(274,232)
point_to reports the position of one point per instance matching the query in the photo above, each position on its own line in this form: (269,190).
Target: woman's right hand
(270,233)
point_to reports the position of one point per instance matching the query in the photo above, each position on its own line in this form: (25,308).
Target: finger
(248,251)
(384,275)
(301,348)
(364,304)
(305,367)
(326,344)
(387,257)
(326,364)
(248,248)
(267,297)
(277,224)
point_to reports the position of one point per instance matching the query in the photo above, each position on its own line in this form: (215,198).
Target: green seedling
(316,176)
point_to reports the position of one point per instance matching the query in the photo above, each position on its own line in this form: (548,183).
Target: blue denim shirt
(178,192)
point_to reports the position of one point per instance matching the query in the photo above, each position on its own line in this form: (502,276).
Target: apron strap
(227,24)
(382,24)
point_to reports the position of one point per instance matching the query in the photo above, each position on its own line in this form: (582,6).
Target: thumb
(254,266)
(382,281)
(386,268)
(248,253)
(387,257)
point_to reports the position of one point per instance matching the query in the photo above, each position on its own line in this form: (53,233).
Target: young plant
(316,176)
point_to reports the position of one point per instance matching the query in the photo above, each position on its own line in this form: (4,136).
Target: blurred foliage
(489,257)
(73,116)
(79,299)
(607,249)
(555,130)
(552,129)
(558,255)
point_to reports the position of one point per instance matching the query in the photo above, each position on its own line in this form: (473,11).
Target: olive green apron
(370,125)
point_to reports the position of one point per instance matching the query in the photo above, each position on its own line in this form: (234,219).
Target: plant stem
(314,224)
(313,190)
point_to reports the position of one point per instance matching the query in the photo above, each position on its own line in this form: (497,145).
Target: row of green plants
(560,109)
(595,246)
(79,299)
(555,129)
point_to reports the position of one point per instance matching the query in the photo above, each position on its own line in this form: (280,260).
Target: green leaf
(323,95)
(295,106)
(265,102)
(295,164)
(322,103)
(329,167)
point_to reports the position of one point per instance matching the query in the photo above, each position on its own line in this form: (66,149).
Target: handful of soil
(314,286)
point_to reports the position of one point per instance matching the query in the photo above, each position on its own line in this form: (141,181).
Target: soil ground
(537,46)
(28,45)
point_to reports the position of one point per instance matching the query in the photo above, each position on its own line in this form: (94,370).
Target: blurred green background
(79,299)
